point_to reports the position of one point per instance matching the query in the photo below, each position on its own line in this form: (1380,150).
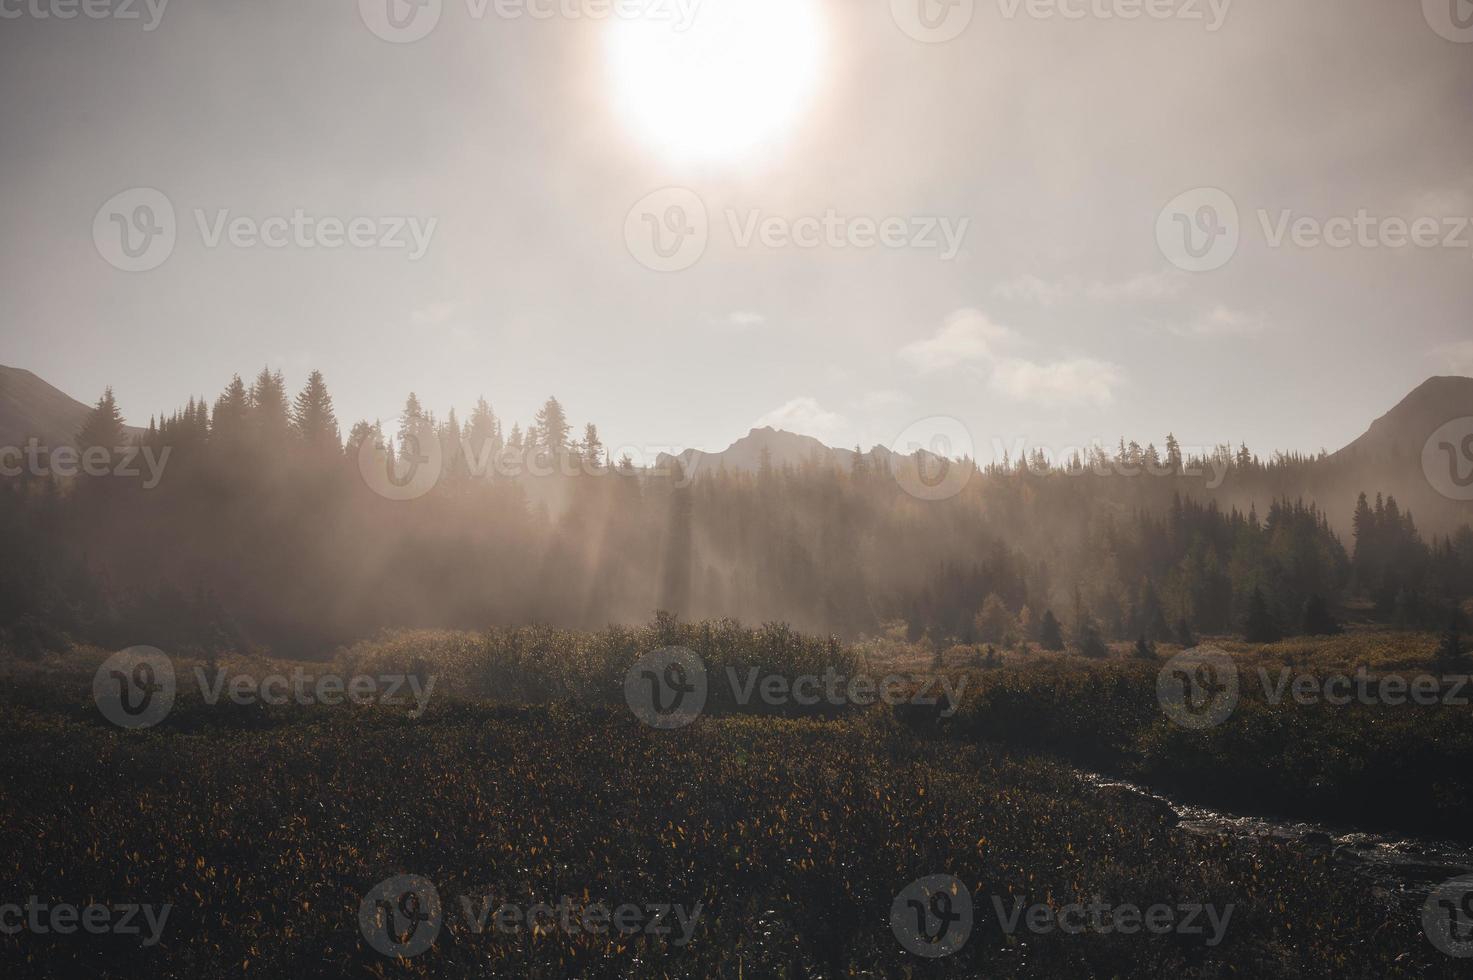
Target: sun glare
(733,81)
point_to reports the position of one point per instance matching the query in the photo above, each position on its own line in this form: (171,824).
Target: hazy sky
(1045,144)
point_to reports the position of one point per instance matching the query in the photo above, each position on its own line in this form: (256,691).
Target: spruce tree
(103,426)
(1316,619)
(313,416)
(1259,625)
(1050,637)
(1451,658)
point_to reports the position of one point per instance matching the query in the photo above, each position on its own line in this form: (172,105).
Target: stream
(1401,869)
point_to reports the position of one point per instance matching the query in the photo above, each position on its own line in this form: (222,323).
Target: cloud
(1223,322)
(805,415)
(1079,381)
(1453,201)
(967,336)
(1147,286)
(743,319)
(881,399)
(969,339)
(1457,356)
(432,315)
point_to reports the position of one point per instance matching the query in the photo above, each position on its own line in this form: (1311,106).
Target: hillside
(31,408)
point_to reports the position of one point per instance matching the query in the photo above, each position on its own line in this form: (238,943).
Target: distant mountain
(1399,435)
(781,448)
(1388,457)
(32,409)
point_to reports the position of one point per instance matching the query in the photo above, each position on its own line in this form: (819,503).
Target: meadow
(528,780)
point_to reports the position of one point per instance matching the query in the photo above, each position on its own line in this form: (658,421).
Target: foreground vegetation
(1398,767)
(796,836)
(528,780)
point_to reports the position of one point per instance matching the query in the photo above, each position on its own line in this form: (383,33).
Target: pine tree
(551,431)
(592,447)
(1087,639)
(994,623)
(103,426)
(231,409)
(313,416)
(362,432)
(1144,648)
(1050,637)
(1451,658)
(1316,619)
(411,423)
(1184,636)
(1259,625)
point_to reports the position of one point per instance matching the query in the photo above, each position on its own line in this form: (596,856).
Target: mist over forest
(263,533)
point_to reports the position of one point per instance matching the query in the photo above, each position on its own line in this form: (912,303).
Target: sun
(718,84)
